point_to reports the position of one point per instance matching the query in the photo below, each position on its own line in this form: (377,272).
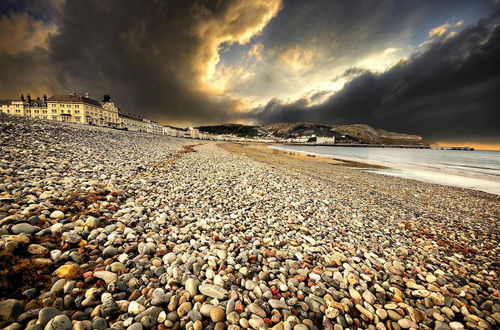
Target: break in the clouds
(424,67)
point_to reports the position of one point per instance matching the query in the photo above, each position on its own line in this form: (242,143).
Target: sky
(414,66)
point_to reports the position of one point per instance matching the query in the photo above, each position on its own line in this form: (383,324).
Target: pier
(400,146)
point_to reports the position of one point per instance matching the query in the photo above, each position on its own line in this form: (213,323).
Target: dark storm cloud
(153,57)
(449,91)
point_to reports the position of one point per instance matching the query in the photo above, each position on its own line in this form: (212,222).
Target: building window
(54,117)
(54,111)
(77,111)
(77,118)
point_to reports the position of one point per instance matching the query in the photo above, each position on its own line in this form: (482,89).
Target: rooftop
(131,116)
(74,99)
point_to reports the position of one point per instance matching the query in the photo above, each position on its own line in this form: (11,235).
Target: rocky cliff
(367,134)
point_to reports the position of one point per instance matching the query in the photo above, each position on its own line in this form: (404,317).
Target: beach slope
(102,228)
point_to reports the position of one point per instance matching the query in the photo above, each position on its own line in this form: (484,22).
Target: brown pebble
(217,314)
(136,294)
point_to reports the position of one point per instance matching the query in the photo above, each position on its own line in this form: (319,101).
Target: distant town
(82,109)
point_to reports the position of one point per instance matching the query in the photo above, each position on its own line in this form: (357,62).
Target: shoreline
(308,156)
(429,174)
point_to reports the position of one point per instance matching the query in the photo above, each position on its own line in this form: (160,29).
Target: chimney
(106,98)
(87,95)
(22,97)
(29,97)
(44,98)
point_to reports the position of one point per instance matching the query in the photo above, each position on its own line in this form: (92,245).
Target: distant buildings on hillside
(70,108)
(82,109)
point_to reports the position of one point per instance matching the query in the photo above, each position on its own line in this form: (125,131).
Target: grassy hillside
(358,133)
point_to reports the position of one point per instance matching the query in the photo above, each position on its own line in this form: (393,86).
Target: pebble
(354,294)
(217,314)
(24,228)
(135,326)
(159,297)
(184,308)
(331,313)
(68,271)
(456,325)
(407,324)
(256,309)
(277,304)
(213,291)
(71,237)
(57,215)
(191,286)
(60,322)
(46,314)
(109,252)
(254,323)
(169,258)
(369,297)
(10,309)
(394,315)
(106,276)
(205,309)
(37,249)
(135,308)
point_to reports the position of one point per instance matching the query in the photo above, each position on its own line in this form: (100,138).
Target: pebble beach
(101,228)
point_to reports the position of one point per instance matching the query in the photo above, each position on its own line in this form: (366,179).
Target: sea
(478,169)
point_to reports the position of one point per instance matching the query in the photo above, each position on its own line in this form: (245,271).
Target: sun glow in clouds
(239,24)
(23,33)
(379,62)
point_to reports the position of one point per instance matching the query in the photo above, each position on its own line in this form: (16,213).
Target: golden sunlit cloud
(439,30)
(238,23)
(22,33)
(226,77)
(459,24)
(256,51)
(298,58)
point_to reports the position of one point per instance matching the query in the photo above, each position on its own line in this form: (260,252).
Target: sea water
(478,169)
